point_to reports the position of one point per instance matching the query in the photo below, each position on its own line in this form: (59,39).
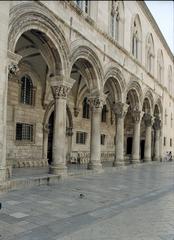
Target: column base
(95,166)
(118,163)
(147,160)
(135,161)
(3,174)
(59,169)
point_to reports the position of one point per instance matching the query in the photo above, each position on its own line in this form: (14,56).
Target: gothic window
(160,66)
(116,29)
(83,5)
(170,142)
(164,141)
(26,90)
(150,54)
(24,132)
(136,38)
(86,108)
(81,137)
(104,114)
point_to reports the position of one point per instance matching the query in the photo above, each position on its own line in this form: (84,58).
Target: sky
(163,12)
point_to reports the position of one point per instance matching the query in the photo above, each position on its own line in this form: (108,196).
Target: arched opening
(132,100)
(29,92)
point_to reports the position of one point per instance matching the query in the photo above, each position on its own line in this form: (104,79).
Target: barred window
(81,137)
(24,132)
(26,90)
(102,139)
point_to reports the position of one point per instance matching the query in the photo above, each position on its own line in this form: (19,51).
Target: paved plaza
(133,203)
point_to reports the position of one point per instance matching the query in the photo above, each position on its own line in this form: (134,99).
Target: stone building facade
(83,81)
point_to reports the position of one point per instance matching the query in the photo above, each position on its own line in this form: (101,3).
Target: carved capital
(148,119)
(120,109)
(96,102)
(157,123)
(60,87)
(137,115)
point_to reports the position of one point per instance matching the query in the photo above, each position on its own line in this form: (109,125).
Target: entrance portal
(142,145)
(50,137)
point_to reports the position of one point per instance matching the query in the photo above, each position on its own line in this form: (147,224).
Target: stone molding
(120,109)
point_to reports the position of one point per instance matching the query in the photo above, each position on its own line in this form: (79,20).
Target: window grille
(24,132)
(81,137)
(102,139)
(26,90)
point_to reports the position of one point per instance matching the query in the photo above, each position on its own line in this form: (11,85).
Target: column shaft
(59,159)
(136,143)
(147,149)
(119,147)
(4,19)
(157,145)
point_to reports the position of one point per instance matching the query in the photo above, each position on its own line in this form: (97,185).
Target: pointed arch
(150,53)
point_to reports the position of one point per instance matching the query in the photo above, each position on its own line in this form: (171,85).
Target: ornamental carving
(157,123)
(12,69)
(148,119)
(60,91)
(137,115)
(120,109)
(96,102)
(76,112)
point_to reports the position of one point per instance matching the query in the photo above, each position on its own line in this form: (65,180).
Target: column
(157,127)
(148,138)
(137,115)
(60,91)
(4,19)
(120,110)
(96,104)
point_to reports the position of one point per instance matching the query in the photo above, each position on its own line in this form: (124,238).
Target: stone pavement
(135,203)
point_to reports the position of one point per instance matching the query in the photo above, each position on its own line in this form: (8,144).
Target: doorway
(142,145)
(50,138)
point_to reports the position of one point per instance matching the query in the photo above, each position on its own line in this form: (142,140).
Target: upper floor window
(116,27)
(26,90)
(136,38)
(102,139)
(86,108)
(83,5)
(104,114)
(81,137)
(150,54)
(160,66)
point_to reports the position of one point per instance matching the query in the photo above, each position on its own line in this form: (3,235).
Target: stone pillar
(4,20)
(69,134)
(157,127)
(60,90)
(137,115)
(120,110)
(148,139)
(96,104)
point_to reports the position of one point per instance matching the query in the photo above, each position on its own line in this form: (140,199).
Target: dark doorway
(50,138)
(142,145)
(129,145)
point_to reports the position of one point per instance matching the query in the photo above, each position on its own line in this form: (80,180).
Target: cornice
(148,14)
